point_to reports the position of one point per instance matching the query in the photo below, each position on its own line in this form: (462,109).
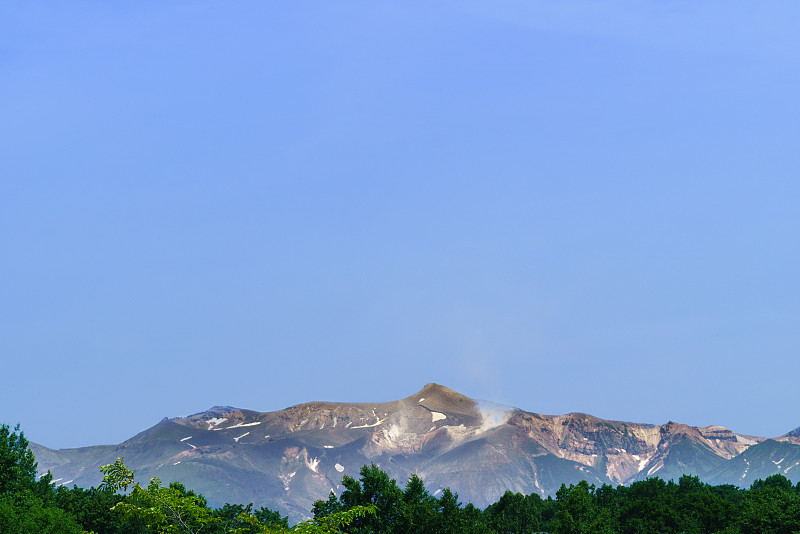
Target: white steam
(493,414)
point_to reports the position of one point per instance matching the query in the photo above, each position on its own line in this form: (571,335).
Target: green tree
(92,509)
(166,510)
(25,513)
(578,512)
(26,504)
(420,506)
(769,509)
(17,463)
(375,488)
(515,513)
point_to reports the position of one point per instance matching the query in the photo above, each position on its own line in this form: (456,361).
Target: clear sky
(562,206)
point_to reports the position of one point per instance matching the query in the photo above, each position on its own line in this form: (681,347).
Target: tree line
(375,503)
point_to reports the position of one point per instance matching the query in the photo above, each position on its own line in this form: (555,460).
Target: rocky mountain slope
(288,458)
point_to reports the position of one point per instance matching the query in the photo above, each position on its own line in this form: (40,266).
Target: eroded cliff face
(289,458)
(623,450)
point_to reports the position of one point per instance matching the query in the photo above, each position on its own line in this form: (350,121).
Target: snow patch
(327,446)
(286,479)
(312,464)
(437,416)
(422,399)
(432,429)
(192,446)
(335,420)
(215,421)
(240,437)
(176,463)
(240,425)
(339,467)
(654,469)
(187,437)
(380,421)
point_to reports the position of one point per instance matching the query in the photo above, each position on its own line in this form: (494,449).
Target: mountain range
(289,458)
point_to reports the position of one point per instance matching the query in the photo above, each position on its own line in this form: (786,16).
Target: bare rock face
(289,458)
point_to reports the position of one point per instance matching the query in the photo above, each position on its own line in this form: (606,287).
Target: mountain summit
(288,458)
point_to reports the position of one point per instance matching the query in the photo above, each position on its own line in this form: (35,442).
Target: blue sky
(563,206)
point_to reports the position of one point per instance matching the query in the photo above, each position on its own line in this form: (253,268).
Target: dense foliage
(376,504)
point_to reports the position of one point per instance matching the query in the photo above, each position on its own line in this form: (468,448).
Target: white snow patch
(432,429)
(717,440)
(323,426)
(240,425)
(642,463)
(312,464)
(437,492)
(348,424)
(380,421)
(339,467)
(192,446)
(635,457)
(422,399)
(240,437)
(214,421)
(286,479)
(437,416)
(176,463)
(187,437)
(654,469)
(327,446)
(67,482)
(778,462)
(304,421)
(335,420)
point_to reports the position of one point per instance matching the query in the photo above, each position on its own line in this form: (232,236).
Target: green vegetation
(376,504)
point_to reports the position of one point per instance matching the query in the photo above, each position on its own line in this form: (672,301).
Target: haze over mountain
(286,459)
